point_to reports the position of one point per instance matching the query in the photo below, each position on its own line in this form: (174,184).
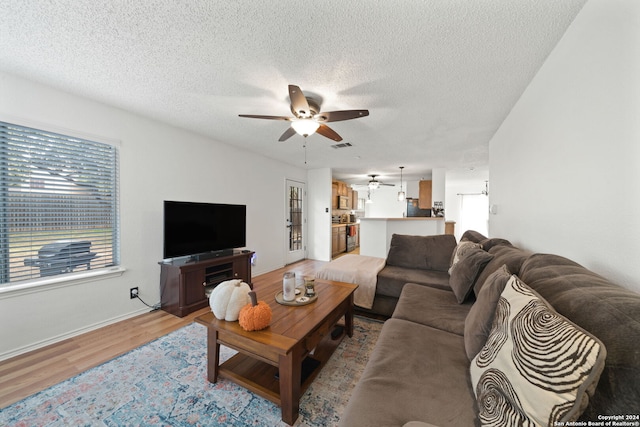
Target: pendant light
(401,195)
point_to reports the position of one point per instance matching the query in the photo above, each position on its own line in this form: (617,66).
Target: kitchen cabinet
(338,239)
(341,191)
(424,194)
(354,200)
(342,188)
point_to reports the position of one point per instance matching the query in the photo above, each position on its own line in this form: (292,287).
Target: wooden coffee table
(279,362)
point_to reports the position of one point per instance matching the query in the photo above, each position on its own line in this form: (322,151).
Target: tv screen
(195,228)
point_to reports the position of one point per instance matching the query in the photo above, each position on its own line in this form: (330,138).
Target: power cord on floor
(152,307)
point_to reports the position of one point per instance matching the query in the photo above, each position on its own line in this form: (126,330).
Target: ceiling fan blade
(299,104)
(326,131)
(254,116)
(336,116)
(287,134)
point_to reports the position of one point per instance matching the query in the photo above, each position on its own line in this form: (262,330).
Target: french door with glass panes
(295,221)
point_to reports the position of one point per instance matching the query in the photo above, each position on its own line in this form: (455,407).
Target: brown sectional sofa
(411,260)
(419,371)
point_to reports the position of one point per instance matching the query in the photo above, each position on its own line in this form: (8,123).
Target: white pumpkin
(228,298)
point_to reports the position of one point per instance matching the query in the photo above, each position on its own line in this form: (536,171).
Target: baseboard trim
(53,340)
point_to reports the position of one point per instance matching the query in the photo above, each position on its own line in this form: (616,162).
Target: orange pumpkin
(256,315)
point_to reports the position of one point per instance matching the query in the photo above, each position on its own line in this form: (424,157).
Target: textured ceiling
(437,76)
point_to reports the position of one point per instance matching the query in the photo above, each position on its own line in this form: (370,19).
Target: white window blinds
(58,204)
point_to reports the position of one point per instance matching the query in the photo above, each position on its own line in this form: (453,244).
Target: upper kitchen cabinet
(342,188)
(342,196)
(424,198)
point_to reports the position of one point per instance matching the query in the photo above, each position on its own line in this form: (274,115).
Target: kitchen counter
(342,224)
(375,233)
(409,218)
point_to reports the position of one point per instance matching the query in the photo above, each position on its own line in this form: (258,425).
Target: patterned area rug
(165,383)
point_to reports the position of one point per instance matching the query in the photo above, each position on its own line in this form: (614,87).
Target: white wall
(319,214)
(438,185)
(385,203)
(565,164)
(158,162)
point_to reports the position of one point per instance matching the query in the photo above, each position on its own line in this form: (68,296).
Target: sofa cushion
(478,323)
(487,244)
(608,311)
(421,252)
(462,248)
(414,373)
(432,307)
(473,236)
(466,271)
(510,256)
(391,279)
(537,367)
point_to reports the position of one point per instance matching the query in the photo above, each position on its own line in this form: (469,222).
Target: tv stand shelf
(185,285)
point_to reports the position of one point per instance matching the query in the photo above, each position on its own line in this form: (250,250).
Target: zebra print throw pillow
(536,368)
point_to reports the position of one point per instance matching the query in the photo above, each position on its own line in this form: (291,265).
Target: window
(58,204)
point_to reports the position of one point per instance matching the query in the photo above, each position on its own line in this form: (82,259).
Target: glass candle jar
(309,287)
(289,286)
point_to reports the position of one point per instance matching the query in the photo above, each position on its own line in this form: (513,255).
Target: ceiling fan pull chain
(304,145)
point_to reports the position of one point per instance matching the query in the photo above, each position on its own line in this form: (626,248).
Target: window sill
(60,281)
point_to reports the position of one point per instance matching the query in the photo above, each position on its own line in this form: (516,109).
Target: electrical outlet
(133,293)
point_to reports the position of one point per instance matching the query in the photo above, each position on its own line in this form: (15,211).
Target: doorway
(295,239)
(474,213)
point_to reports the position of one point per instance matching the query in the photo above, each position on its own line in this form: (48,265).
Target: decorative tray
(298,301)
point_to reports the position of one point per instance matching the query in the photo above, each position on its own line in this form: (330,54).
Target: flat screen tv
(196,229)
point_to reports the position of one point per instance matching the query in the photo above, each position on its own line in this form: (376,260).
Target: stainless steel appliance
(351,237)
(414,210)
(343,202)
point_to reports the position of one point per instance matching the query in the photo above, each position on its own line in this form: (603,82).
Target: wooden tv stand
(185,285)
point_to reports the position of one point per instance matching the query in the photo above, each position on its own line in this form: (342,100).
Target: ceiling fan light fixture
(305,127)
(308,118)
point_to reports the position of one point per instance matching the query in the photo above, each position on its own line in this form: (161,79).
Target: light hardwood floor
(37,370)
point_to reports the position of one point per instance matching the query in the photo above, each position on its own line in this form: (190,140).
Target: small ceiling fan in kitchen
(308,119)
(374,184)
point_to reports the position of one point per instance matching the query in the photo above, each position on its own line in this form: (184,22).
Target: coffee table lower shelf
(311,332)
(263,378)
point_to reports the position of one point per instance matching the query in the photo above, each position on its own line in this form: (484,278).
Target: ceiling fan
(374,184)
(308,118)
